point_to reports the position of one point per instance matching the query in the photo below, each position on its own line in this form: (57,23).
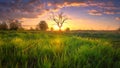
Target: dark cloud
(11,9)
(108,7)
(20,9)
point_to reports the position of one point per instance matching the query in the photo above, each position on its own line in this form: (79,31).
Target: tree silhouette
(3,26)
(59,19)
(43,26)
(118,29)
(15,25)
(52,29)
(31,28)
(67,29)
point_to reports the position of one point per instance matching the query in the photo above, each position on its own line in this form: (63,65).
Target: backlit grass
(53,50)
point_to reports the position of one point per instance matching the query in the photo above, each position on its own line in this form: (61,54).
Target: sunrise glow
(59,33)
(84,15)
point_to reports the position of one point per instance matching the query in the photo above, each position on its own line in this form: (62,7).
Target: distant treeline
(16,25)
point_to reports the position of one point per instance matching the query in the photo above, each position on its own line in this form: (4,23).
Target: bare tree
(59,19)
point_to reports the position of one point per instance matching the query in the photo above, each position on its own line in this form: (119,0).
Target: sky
(83,14)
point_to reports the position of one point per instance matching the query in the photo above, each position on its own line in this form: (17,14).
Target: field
(84,49)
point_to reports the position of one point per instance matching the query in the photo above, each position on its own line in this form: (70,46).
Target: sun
(56,28)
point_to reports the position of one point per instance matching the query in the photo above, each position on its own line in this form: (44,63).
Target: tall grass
(43,50)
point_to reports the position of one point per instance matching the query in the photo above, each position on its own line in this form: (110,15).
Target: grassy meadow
(34,49)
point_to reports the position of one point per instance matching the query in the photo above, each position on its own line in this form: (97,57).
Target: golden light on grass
(56,44)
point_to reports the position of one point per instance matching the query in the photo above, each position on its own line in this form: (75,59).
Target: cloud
(16,9)
(82,4)
(21,9)
(98,4)
(94,12)
(111,12)
(108,7)
(66,3)
(117,18)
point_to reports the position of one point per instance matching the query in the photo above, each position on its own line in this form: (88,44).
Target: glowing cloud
(34,8)
(95,12)
(117,18)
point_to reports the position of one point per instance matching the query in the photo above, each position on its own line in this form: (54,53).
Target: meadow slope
(59,50)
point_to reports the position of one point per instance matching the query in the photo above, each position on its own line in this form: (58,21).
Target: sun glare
(56,28)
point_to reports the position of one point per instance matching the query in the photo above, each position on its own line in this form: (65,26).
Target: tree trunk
(60,29)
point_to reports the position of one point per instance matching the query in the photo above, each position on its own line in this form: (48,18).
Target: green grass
(54,50)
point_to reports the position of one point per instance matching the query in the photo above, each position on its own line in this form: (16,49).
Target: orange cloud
(34,8)
(111,12)
(98,4)
(117,18)
(83,4)
(94,12)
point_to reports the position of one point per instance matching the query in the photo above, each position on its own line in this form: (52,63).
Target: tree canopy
(43,26)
